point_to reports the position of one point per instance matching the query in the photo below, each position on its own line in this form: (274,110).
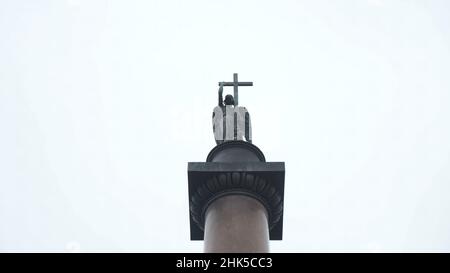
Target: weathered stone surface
(236,223)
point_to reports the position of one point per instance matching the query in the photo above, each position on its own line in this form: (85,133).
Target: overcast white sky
(103,103)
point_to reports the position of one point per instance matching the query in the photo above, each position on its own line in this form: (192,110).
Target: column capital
(236,168)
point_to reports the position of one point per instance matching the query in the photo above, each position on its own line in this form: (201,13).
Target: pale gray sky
(103,103)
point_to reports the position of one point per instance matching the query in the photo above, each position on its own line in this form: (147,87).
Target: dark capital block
(243,172)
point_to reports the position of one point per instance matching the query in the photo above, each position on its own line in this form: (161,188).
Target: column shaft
(236,223)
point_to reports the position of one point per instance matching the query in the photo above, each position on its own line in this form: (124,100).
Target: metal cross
(235,83)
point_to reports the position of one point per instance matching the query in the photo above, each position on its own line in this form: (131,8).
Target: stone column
(236,199)
(236,223)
